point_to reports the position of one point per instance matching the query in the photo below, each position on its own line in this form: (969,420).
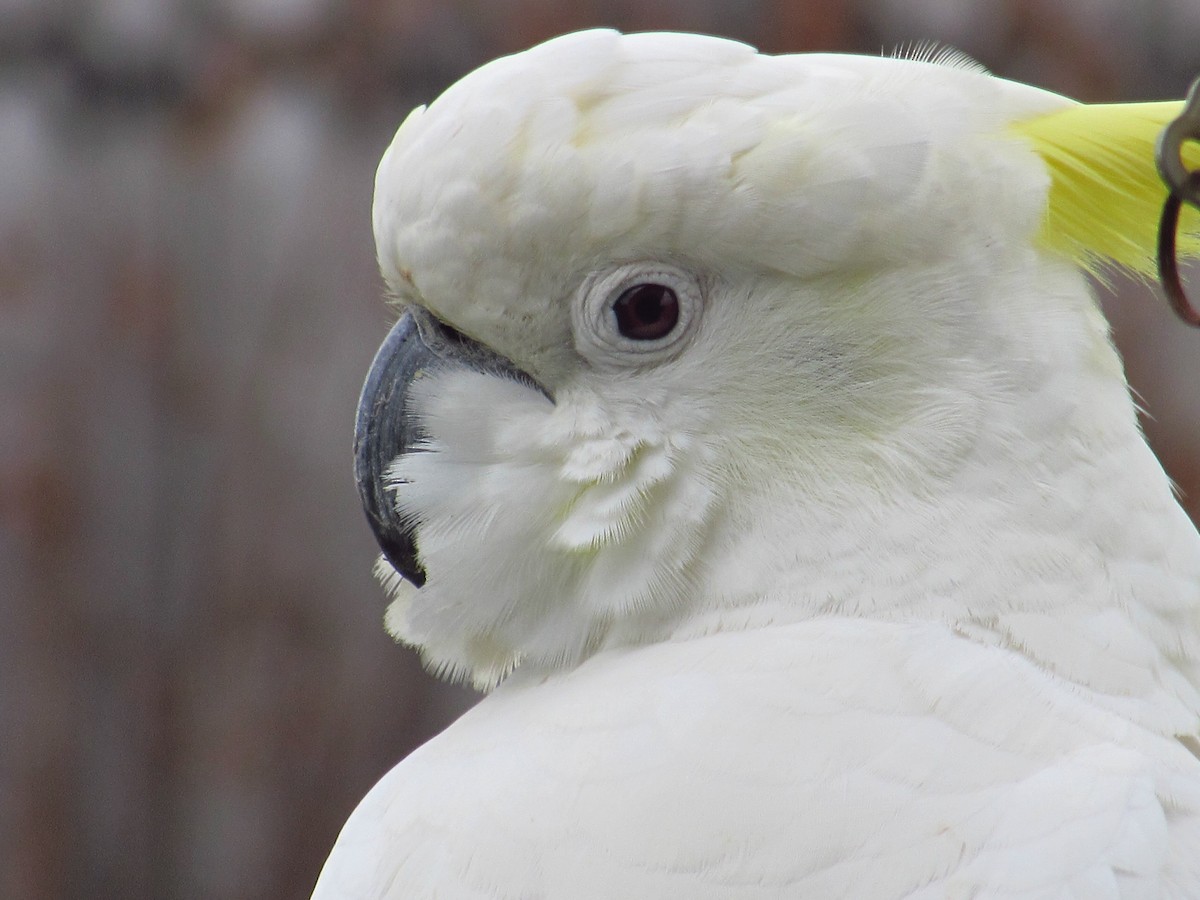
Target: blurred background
(195,685)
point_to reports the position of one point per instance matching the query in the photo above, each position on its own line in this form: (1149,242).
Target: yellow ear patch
(1105,192)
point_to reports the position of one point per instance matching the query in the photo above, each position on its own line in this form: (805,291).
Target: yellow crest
(1105,192)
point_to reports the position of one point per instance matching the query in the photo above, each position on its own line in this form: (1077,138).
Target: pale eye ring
(636,314)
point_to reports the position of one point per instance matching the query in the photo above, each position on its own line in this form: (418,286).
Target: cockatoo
(751,433)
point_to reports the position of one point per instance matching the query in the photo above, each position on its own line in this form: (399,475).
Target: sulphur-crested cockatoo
(750,423)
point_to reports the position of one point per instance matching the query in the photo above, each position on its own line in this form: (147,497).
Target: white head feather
(894,401)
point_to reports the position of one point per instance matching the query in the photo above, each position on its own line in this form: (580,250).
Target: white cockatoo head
(695,338)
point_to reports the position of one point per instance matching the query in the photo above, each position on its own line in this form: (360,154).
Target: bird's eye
(636,314)
(646,312)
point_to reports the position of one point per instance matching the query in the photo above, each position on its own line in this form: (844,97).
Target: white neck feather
(1056,535)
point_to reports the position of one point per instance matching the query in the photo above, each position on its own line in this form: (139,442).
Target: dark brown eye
(646,312)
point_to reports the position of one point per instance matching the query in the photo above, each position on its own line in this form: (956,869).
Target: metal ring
(1183,186)
(1169,152)
(1168,262)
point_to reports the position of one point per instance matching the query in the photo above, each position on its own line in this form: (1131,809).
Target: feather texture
(833,758)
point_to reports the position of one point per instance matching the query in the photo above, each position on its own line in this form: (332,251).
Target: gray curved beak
(385,426)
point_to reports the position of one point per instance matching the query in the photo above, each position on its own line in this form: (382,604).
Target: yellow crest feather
(1105,192)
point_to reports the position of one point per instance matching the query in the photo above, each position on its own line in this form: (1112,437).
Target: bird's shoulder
(833,757)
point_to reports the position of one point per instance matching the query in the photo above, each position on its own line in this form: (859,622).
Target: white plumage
(860,583)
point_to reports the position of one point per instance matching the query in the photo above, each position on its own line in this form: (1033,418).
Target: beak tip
(404,560)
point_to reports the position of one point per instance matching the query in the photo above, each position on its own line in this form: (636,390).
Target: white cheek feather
(482,490)
(538,526)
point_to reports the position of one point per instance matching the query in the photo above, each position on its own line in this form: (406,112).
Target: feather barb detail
(1106,195)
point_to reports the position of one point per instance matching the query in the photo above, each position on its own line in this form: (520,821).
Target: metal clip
(1183,186)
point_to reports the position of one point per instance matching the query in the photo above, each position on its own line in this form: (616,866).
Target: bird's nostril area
(437,334)
(451,346)
(450,333)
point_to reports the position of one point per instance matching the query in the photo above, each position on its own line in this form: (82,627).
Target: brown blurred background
(195,685)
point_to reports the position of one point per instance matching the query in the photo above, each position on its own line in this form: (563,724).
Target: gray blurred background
(195,685)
